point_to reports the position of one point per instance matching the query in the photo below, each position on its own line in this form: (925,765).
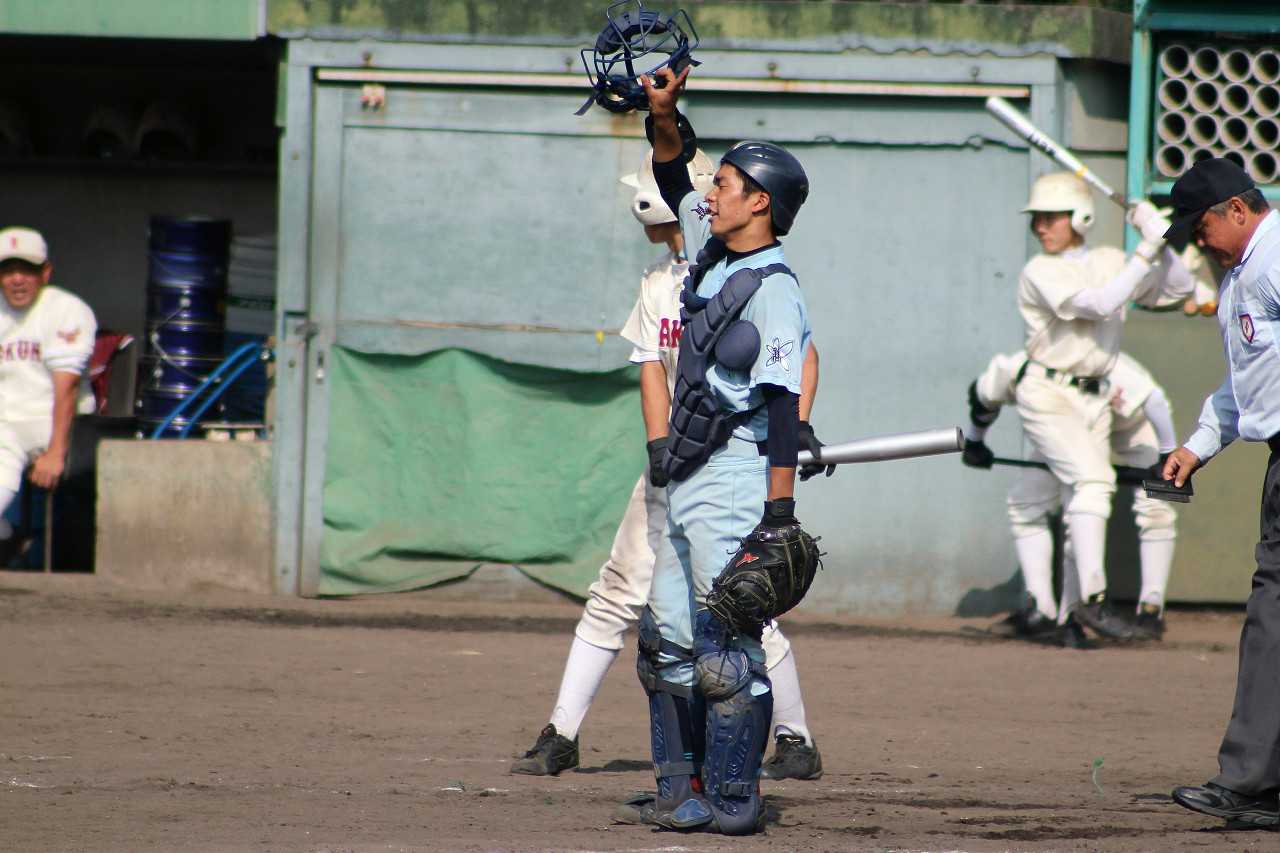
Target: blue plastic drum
(185,339)
(175,372)
(176,268)
(146,426)
(167,302)
(160,403)
(191,235)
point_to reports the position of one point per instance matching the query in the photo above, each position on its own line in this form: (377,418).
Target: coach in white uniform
(46,338)
(1073,300)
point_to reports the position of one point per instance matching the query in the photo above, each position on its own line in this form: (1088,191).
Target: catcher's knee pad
(722,666)
(737,733)
(661,665)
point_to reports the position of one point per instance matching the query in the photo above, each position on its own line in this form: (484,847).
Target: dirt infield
(223,722)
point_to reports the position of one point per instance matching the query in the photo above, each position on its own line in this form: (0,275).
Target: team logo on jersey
(703,210)
(778,353)
(669,333)
(70,337)
(1246,326)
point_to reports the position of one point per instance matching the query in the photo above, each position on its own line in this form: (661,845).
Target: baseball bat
(1124,473)
(1021,125)
(882,448)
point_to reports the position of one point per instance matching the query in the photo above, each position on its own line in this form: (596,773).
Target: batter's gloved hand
(810,442)
(769,573)
(657,450)
(1151,224)
(980,414)
(976,454)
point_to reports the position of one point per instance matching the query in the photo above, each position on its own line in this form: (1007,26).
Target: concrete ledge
(175,515)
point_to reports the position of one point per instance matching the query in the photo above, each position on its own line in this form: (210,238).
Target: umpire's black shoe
(1224,803)
(793,758)
(1071,636)
(1097,615)
(551,754)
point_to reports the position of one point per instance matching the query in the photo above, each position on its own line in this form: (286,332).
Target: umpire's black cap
(1205,184)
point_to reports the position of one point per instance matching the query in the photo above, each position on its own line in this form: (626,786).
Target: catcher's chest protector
(698,425)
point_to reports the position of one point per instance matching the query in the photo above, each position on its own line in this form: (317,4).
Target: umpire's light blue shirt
(1248,402)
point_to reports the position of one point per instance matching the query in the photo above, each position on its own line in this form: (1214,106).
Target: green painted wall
(1076,31)
(187,19)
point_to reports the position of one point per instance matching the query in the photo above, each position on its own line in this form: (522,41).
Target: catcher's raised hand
(664,89)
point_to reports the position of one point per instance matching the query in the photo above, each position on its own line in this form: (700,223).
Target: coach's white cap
(23,243)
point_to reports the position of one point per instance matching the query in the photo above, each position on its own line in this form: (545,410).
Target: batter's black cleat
(1071,636)
(1150,624)
(1024,624)
(793,758)
(1221,802)
(1097,615)
(552,754)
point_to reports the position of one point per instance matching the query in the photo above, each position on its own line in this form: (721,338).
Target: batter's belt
(1085,384)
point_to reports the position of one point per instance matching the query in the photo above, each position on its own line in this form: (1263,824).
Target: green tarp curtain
(441,462)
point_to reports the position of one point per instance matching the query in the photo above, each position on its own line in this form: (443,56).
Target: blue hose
(258,350)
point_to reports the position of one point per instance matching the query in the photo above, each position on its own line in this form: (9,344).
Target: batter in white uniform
(1073,300)
(614,600)
(1142,434)
(46,338)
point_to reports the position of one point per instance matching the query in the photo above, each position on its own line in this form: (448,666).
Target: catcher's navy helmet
(774,168)
(635,42)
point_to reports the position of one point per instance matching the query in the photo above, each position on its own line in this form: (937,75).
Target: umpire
(1231,219)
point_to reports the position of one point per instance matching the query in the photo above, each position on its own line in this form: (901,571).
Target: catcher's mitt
(768,575)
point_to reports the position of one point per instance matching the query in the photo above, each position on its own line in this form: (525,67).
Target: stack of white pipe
(1218,101)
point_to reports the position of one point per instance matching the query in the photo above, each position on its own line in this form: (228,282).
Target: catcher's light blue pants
(708,514)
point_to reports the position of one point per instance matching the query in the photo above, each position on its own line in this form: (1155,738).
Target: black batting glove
(976,454)
(657,450)
(979,414)
(810,442)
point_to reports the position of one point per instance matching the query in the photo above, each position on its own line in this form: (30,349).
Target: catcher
(731,452)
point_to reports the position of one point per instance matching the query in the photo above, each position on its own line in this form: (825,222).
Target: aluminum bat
(1021,125)
(882,448)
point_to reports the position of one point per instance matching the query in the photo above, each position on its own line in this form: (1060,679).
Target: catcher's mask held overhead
(783,178)
(648,206)
(635,42)
(1063,191)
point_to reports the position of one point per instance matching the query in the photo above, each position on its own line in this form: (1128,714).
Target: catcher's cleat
(632,811)
(1029,622)
(551,754)
(792,758)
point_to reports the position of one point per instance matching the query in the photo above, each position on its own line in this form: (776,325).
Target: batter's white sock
(1070,586)
(6,498)
(788,704)
(1089,539)
(1035,556)
(583,672)
(1157,557)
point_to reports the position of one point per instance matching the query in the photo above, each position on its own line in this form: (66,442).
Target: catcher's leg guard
(739,706)
(677,730)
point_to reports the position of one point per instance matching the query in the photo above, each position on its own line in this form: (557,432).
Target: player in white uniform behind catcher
(614,600)
(46,338)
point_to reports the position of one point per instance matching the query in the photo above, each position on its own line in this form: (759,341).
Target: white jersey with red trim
(54,334)
(654,325)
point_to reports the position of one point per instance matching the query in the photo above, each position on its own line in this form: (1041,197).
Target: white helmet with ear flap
(648,206)
(1063,191)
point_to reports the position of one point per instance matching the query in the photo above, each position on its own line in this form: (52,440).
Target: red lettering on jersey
(676,329)
(8,352)
(35,350)
(24,349)
(664,333)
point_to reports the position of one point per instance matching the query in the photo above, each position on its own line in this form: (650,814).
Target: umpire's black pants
(1250,754)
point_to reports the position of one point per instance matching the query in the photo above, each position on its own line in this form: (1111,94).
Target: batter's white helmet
(648,206)
(1063,191)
